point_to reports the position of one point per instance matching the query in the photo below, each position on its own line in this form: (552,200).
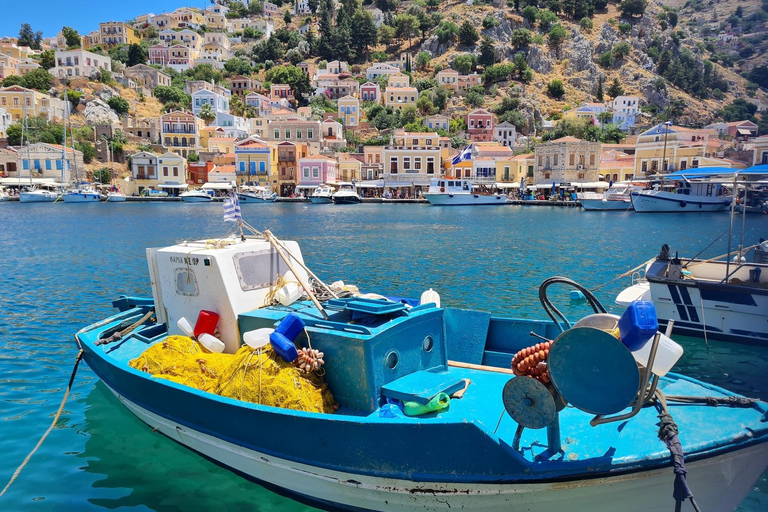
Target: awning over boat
(217,186)
(507,185)
(306,187)
(25,181)
(181,186)
(370,184)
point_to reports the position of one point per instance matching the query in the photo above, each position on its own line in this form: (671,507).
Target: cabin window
(258,269)
(186,282)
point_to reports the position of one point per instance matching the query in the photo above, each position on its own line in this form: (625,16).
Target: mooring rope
(53,424)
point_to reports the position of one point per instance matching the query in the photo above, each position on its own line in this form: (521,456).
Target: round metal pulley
(528,402)
(593,371)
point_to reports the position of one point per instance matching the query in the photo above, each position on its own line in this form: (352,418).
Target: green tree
(474,99)
(585,23)
(237,66)
(556,89)
(546,19)
(530,13)
(13,80)
(207,114)
(38,79)
(89,152)
(632,8)
(71,37)
(446,32)
(118,104)
(137,54)
(103,175)
(293,76)
(365,36)
(487,52)
(407,26)
(599,94)
(48,59)
(468,34)
(490,22)
(556,35)
(521,38)
(168,94)
(605,117)
(615,89)
(606,59)
(287,17)
(236,106)
(28,37)
(465,63)
(422,60)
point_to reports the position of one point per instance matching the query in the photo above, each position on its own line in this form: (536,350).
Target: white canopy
(181,186)
(370,184)
(507,185)
(397,184)
(217,186)
(592,184)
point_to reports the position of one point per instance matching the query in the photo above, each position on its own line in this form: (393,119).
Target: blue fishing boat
(430,416)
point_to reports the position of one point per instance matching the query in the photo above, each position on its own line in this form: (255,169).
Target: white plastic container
(185,327)
(430,296)
(667,355)
(289,294)
(211,343)
(258,338)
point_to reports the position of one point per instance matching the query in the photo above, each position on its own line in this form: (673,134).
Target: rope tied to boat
(668,431)
(53,424)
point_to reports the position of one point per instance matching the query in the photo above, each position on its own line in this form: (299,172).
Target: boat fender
(212,343)
(185,327)
(290,327)
(683,204)
(442,189)
(257,338)
(283,347)
(206,323)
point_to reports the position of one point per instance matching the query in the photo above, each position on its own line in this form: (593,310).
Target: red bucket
(206,323)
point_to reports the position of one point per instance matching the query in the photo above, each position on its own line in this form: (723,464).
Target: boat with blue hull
(381,355)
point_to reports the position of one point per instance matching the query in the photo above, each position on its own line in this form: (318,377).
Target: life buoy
(442,189)
(683,204)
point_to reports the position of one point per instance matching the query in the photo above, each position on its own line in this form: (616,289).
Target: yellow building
(180,132)
(349,111)
(348,168)
(412,158)
(17,100)
(115,33)
(256,162)
(680,148)
(761,151)
(401,97)
(398,80)
(508,170)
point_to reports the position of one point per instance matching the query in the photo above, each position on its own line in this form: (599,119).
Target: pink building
(159,55)
(480,125)
(370,92)
(270,9)
(467,81)
(316,170)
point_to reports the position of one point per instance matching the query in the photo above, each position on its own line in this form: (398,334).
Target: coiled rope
(53,424)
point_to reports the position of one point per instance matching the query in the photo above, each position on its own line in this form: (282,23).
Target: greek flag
(232,209)
(466,154)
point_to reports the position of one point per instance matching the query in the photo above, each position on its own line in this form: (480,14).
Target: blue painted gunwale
(424,449)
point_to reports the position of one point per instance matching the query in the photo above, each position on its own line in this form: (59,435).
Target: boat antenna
(730,230)
(64,139)
(25,128)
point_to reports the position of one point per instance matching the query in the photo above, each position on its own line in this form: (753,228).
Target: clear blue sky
(82,15)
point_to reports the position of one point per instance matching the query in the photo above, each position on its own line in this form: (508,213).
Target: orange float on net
(531,361)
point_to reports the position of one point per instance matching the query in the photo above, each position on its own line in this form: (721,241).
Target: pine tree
(599,94)
(615,89)
(468,34)
(487,53)
(365,34)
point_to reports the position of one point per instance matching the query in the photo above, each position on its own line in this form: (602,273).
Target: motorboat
(152,193)
(82,195)
(418,408)
(346,194)
(116,196)
(689,195)
(322,195)
(718,299)
(459,192)
(39,195)
(256,195)
(616,198)
(196,196)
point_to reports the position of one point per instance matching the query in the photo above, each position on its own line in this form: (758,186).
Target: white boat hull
(116,198)
(606,205)
(38,197)
(245,197)
(465,199)
(196,199)
(719,483)
(321,200)
(667,202)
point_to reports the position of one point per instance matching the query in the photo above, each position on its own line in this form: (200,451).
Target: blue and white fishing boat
(196,196)
(695,191)
(256,194)
(508,442)
(322,195)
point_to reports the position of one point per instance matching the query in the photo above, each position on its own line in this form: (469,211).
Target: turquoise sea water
(63,264)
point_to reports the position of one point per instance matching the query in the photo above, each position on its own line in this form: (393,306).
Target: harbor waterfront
(61,263)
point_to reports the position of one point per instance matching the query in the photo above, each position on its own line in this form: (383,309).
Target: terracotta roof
(568,139)
(223,169)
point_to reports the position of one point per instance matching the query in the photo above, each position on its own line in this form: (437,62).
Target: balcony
(179,130)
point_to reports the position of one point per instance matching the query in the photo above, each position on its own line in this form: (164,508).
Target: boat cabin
(449,186)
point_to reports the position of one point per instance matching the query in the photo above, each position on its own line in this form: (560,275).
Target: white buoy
(185,327)
(430,297)
(257,338)
(289,294)
(212,343)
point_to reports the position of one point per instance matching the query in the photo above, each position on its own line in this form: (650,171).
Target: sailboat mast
(25,128)
(64,139)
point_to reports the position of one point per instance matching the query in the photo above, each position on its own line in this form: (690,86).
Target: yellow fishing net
(260,377)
